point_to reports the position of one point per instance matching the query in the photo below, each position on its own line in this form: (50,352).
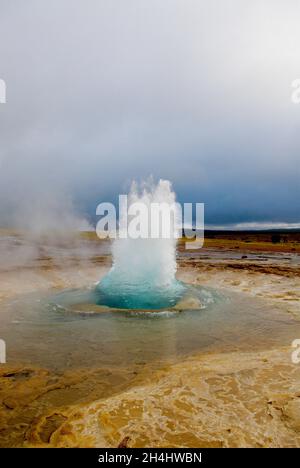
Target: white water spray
(143,271)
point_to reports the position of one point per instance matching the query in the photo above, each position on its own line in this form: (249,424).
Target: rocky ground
(242,398)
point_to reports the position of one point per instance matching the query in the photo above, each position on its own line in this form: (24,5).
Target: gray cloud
(99,93)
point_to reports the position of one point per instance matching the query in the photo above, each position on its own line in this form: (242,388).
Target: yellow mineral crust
(224,400)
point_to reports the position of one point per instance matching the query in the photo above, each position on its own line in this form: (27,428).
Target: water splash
(143,271)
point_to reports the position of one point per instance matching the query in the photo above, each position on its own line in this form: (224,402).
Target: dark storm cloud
(101,92)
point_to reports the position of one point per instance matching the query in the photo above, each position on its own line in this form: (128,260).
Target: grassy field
(272,241)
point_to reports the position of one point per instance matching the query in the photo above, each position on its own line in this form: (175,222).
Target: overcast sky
(100,92)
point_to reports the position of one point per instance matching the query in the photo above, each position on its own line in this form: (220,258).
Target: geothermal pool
(52,332)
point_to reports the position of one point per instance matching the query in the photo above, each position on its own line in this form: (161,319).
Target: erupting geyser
(143,271)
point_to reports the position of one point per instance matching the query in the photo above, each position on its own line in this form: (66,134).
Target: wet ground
(215,376)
